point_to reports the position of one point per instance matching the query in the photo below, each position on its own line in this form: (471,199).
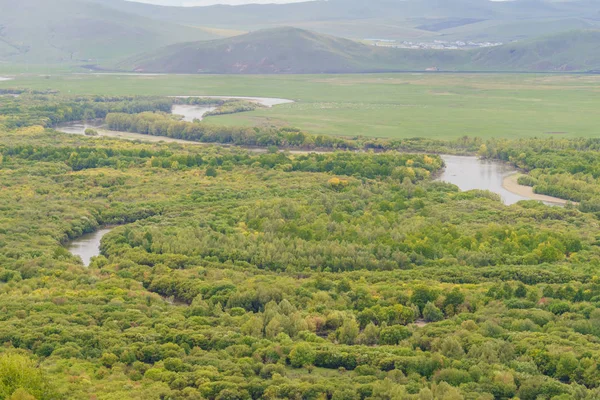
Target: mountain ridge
(60,31)
(292,50)
(503,21)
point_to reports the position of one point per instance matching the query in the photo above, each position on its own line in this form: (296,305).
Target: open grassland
(384,105)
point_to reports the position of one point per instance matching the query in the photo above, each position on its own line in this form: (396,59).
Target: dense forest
(236,275)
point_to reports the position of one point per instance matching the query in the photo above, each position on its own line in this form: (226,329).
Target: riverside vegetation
(394,106)
(235,275)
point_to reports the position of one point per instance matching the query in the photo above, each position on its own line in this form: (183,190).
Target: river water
(88,245)
(466,172)
(188,112)
(469,173)
(79,127)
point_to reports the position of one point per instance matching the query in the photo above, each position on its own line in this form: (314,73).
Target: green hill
(282,50)
(291,50)
(44,31)
(571,51)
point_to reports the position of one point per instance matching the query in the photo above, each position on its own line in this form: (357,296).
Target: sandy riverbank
(143,138)
(511,184)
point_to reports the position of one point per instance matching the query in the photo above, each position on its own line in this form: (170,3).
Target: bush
(211,171)
(431,313)
(20,375)
(393,335)
(453,376)
(527,180)
(109,359)
(302,355)
(559,307)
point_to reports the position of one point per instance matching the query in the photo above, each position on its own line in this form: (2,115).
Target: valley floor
(444,106)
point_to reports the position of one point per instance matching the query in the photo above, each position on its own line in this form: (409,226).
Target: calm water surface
(470,173)
(190,113)
(79,127)
(88,245)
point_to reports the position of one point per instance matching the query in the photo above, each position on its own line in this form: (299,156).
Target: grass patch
(386,105)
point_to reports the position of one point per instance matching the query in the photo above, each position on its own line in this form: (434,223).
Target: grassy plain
(377,105)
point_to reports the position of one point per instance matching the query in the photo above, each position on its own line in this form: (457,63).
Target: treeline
(398,166)
(161,124)
(18,91)
(158,124)
(234,107)
(223,105)
(22,107)
(49,110)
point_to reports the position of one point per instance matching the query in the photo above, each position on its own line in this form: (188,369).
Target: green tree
(109,359)
(21,394)
(19,373)
(423,295)
(393,335)
(451,347)
(348,332)
(211,171)
(521,291)
(302,355)
(370,335)
(455,298)
(566,366)
(431,313)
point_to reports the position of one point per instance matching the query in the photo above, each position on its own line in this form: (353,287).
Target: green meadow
(377,105)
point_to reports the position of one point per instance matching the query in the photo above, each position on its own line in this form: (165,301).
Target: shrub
(19,375)
(559,307)
(431,313)
(302,355)
(393,335)
(211,171)
(453,376)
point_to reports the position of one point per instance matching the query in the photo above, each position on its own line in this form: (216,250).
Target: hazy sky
(189,3)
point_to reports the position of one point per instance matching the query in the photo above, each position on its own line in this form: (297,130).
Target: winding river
(88,245)
(469,173)
(466,172)
(188,112)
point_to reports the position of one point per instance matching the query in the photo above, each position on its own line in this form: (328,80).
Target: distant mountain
(320,10)
(280,50)
(48,31)
(292,50)
(107,31)
(570,51)
(478,20)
